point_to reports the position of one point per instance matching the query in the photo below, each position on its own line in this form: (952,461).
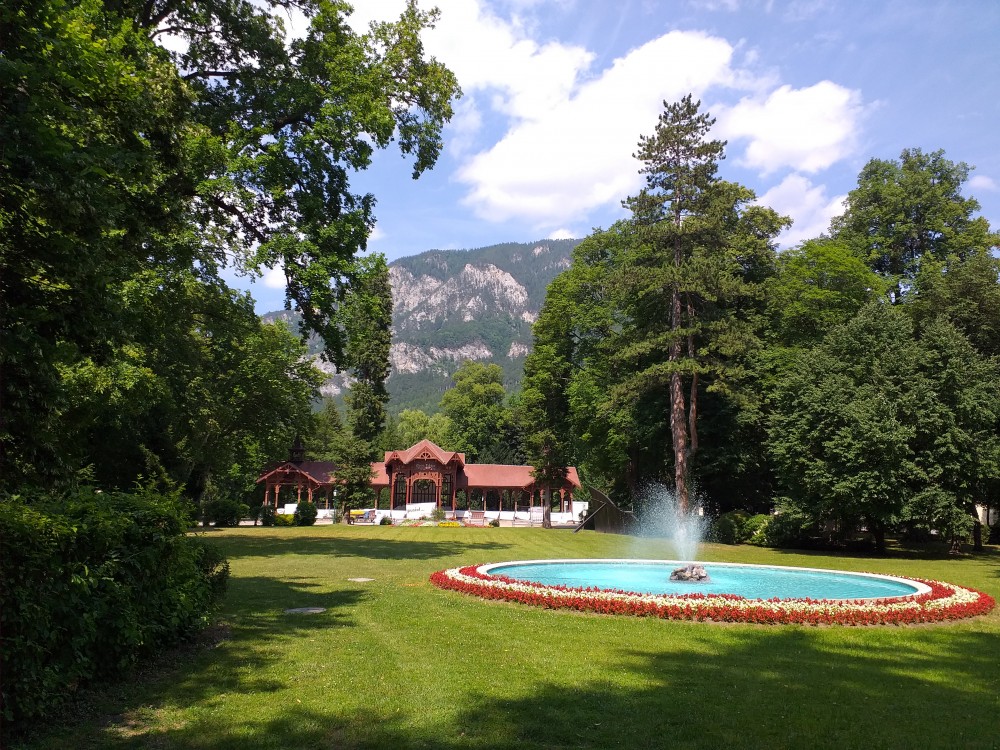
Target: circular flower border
(944,602)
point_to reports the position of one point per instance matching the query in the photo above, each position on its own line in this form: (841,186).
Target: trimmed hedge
(91,582)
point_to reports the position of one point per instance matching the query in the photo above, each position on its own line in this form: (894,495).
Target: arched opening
(424,491)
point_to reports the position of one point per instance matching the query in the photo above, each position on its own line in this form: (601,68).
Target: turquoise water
(748,581)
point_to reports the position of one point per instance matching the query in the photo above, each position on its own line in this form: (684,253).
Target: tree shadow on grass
(380,549)
(229,657)
(792,688)
(725,687)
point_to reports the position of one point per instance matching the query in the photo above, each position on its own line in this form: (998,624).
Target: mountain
(453,305)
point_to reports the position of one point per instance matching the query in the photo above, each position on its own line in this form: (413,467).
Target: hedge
(91,582)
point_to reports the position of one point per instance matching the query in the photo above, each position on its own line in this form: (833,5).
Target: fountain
(727,592)
(662,517)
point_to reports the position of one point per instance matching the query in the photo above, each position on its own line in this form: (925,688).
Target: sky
(556,94)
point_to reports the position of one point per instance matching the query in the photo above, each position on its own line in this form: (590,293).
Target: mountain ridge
(453,305)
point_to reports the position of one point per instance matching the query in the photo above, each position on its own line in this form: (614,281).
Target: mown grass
(397,663)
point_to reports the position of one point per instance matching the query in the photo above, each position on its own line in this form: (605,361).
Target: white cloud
(376,235)
(982,182)
(805,129)
(558,162)
(274,278)
(562,234)
(807,204)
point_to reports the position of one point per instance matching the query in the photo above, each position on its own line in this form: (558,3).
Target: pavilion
(423,476)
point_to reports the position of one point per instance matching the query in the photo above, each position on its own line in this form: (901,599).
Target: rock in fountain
(691,573)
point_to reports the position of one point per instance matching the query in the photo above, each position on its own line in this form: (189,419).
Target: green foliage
(755,528)
(367,314)
(818,285)
(354,472)
(731,528)
(284,519)
(788,527)
(908,211)
(91,582)
(494,523)
(877,425)
(415,425)
(482,425)
(385,521)
(267,515)
(124,188)
(305,514)
(224,512)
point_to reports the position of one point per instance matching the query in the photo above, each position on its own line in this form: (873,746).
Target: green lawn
(397,663)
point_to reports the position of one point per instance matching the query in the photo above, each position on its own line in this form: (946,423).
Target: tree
(415,425)
(482,426)
(328,428)
(844,426)
(200,391)
(701,249)
(878,425)
(818,285)
(367,316)
(966,290)
(904,211)
(122,159)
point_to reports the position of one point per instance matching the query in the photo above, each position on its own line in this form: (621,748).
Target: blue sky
(557,93)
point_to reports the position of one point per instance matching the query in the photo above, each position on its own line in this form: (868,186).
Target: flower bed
(945,601)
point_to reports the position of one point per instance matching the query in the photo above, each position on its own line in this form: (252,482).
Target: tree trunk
(878,534)
(678,412)
(977,536)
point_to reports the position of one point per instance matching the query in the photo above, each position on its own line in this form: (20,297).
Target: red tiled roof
(319,472)
(379,477)
(504,475)
(424,447)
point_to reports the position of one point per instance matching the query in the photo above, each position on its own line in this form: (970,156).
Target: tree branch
(245,222)
(227,74)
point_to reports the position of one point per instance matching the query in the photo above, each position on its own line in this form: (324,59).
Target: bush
(495,523)
(730,528)
(284,519)
(787,528)
(437,514)
(89,583)
(305,514)
(755,529)
(385,521)
(267,515)
(224,512)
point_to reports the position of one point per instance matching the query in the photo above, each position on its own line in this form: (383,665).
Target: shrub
(284,519)
(89,583)
(495,522)
(267,515)
(305,514)
(224,512)
(730,528)
(437,514)
(787,528)
(385,521)
(756,527)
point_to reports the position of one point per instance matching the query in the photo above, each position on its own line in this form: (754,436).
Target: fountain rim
(922,588)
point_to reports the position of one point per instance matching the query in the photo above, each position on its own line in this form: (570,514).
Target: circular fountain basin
(747,581)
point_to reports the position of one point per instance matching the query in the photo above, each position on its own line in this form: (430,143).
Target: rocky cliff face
(454,305)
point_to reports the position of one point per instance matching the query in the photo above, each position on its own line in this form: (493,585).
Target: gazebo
(316,480)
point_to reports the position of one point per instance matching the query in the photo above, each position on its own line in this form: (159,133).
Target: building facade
(423,476)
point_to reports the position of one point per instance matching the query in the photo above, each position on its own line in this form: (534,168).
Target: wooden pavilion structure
(423,475)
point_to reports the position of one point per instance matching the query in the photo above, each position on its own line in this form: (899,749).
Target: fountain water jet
(662,517)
